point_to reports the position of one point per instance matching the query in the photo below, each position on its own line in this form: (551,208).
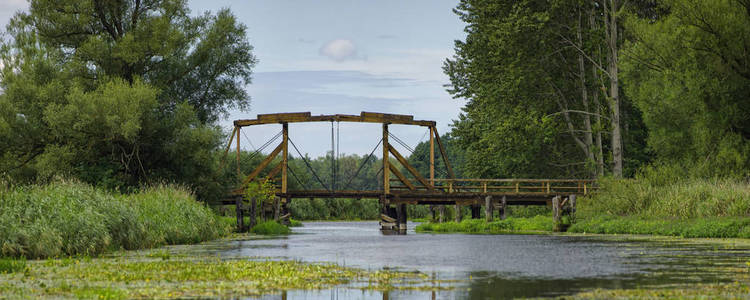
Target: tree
(542,79)
(689,72)
(119,92)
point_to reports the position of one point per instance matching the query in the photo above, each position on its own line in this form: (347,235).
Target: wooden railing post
(386,166)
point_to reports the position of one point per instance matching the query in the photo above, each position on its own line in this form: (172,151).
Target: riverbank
(68,218)
(186,272)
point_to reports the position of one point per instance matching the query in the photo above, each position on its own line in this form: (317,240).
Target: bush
(270,228)
(70,218)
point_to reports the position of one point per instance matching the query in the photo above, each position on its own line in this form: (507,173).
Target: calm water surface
(496,266)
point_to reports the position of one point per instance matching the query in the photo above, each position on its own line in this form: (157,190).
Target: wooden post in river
(238,213)
(253,212)
(557,226)
(503,206)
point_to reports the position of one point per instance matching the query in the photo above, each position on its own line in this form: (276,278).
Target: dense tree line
(119,93)
(568,88)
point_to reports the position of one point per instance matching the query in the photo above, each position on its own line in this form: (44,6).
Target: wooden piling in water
(238,214)
(401,212)
(457,209)
(503,208)
(253,212)
(557,226)
(441,210)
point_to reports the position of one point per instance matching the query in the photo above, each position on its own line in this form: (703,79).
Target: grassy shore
(674,207)
(70,218)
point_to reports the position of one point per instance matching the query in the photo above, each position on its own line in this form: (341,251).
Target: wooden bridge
(401,184)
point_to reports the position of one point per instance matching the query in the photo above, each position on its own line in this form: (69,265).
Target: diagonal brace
(263,164)
(401,177)
(408,167)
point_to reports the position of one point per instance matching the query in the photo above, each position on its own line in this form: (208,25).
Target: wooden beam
(408,167)
(364,117)
(284,157)
(386,168)
(275,171)
(443,154)
(239,173)
(401,177)
(263,165)
(432,157)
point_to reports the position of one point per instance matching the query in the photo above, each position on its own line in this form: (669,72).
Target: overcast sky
(344,56)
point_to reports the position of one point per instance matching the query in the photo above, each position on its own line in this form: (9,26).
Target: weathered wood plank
(408,167)
(401,177)
(263,164)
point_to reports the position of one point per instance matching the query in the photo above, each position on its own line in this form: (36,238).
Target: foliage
(707,227)
(68,218)
(689,73)
(270,228)
(142,275)
(682,199)
(511,224)
(119,93)
(295,223)
(533,75)
(12,265)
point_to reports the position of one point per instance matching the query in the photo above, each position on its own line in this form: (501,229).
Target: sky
(341,57)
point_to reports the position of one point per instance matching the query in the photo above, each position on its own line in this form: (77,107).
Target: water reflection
(496,266)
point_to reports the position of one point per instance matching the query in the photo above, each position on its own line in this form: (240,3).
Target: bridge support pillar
(572,207)
(441,215)
(556,214)
(401,212)
(503,206)
(253,212)
(488,208)
(240,217)
(457,210)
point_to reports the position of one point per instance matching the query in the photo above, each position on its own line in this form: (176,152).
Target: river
(496,266)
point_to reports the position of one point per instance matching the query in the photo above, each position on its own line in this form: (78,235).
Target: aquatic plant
(270,228)
(536,223)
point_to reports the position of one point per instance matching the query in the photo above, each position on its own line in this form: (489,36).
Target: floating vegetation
(168,273)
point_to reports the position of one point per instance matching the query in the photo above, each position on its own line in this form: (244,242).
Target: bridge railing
(509,186)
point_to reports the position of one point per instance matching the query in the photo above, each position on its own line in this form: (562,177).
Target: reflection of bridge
(407,186)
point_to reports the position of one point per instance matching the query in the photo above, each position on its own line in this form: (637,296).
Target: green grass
(294,223)
(70,218)
(270,228)
(12,265)
(659,204)
(537,223)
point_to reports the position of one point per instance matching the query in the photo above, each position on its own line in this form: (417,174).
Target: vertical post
(432,170)
(457,208)
(401,216)
(556,214)
(432,157)
(276,206)
(239,174)
(488,208)
(441,210)
(503,206)
(284,157)
(386,166)
(238,213)
(253,212)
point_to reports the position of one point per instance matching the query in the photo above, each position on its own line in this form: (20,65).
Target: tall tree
(688,70)
(119,92)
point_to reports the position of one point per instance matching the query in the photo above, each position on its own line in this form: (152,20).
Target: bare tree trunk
(595,102)
(614,93)
(587,135)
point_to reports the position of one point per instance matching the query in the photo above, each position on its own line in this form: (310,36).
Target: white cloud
(339,50)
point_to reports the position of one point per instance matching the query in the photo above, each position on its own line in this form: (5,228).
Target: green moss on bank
(70,218)
(537,223)
(728,227)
